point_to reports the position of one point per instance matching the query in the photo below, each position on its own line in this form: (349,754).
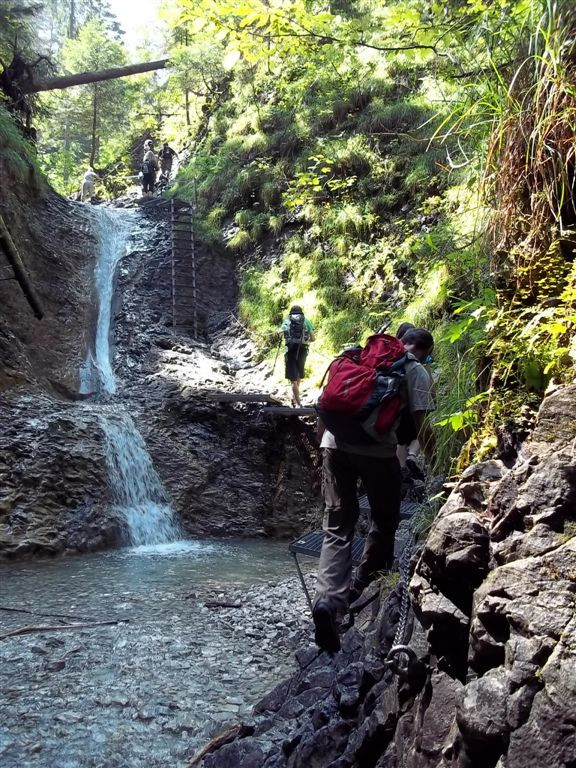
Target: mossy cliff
(401,175)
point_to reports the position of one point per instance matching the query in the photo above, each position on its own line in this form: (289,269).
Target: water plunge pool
(151,691)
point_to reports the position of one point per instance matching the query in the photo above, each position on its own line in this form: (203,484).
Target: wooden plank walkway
(243,397)
(286,410)
(272,406)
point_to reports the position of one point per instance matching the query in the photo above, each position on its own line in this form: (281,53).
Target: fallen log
(221,604)
(19,270)
(239,731)
(60,627)
(85,78)
(39,613)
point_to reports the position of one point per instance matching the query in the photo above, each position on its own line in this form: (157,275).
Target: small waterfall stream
(139,492)
(112,231)
(140,495)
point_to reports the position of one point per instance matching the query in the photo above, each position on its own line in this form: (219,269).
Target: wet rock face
(493,597)
(55,242)
(226,470)
(54,495)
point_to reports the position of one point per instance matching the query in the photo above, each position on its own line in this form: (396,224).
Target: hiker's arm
(312,336)
(425,435)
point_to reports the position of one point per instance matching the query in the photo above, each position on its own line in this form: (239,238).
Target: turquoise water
(176,566)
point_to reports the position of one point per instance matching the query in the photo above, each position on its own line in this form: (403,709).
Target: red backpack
(362,398)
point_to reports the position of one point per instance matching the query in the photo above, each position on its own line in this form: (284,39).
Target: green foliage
(17,157)
(389,161)
(86,125)
(15,20)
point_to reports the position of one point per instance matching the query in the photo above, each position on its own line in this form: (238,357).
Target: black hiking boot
(325,627)
(355,592)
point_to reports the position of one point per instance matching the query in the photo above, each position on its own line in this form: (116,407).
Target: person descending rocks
(298,332)
(149,168)
(361,443)
(166,155)
(87,187)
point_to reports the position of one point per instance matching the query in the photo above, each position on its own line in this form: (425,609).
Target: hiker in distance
(87,188)
(166,155)
(360,441)
(149,168)
(298,332)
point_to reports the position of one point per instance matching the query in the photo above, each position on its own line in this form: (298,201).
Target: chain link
(404,567)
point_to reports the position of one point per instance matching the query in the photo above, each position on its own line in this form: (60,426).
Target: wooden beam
(84,78)
(20,272)
(242,397)
(286,411)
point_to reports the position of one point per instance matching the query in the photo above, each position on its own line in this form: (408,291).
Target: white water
(139,492)
(140,496)
(112,230)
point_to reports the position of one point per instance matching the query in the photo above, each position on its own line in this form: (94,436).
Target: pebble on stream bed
(150,692)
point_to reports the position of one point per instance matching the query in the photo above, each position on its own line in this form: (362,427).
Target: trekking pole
(276,358)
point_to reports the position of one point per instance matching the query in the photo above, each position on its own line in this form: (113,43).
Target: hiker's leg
(301,365)
(296,392)
(291,373)
(402,454)
(339,476)
(382,479)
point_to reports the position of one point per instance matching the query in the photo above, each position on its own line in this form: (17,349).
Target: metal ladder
(184,290)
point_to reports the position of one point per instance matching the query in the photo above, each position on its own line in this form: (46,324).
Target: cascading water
(112,230)
(140,496)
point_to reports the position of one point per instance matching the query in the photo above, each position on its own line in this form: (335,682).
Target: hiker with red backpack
(370,394)
(298,332)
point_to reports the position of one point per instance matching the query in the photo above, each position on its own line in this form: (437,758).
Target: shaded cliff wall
(55,242)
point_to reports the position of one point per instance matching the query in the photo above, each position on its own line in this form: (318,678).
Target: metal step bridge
(310,545)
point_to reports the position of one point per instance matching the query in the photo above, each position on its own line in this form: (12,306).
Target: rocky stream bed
(151,691)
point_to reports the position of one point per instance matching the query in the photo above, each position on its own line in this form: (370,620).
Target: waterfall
(112,231)
(139,494)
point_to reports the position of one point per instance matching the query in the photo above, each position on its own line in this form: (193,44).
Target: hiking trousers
(382,481)
(148,181)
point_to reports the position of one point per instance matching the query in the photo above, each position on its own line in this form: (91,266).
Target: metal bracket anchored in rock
(394,661)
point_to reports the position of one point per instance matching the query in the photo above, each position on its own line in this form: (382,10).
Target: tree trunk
(94,126)
(187,98)
(65,167)
(20,270)
(72,20)
(84,78)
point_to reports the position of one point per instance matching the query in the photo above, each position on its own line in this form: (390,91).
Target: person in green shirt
(298,332)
